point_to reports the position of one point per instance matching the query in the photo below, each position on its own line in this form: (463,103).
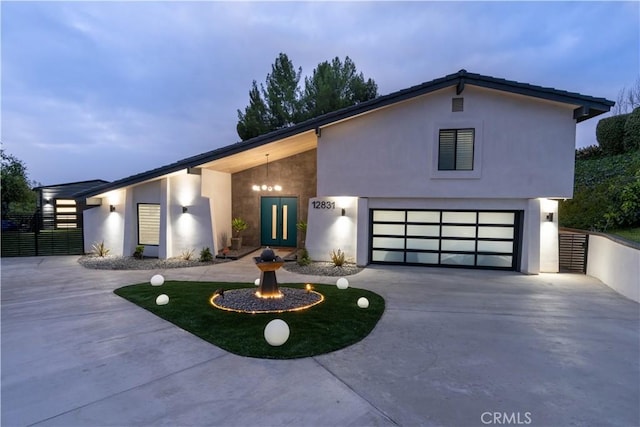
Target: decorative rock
(162,299)
(257,282)
(342,283)
(363,302)
(276,332)
(157,280)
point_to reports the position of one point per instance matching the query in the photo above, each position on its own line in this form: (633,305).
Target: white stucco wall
(616,265)
(549,244)
(193,229)
(216,187)
(329,230)
(102,225)
(524,149)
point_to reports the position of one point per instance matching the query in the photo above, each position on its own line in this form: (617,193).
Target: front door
(278,217)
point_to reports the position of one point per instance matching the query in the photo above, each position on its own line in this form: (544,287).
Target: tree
(282,93)
(255,120)
(631,140)
(610,134)
(336,85)
(280,102)
(628,99)
(15,188)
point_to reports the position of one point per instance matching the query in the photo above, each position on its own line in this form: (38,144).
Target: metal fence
(22,235)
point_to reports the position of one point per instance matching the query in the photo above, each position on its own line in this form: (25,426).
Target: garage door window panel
(484,239)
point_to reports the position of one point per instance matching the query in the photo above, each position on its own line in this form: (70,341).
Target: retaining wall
(616,263)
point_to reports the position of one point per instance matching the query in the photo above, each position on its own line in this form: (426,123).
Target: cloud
(147,83)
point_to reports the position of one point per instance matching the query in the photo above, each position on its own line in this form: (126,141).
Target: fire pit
(268,263)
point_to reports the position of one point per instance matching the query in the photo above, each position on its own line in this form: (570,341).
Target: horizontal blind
(447,150)
(148,224)
(464,150)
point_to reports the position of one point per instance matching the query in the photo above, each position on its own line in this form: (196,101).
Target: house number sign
(317,204)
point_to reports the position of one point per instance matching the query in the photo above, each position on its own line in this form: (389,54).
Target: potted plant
(238,225)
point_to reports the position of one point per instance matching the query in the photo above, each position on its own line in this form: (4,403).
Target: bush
(303,258)
(631,141)
(138,252)
(610,134)
(187,254)
(590,152)
(99,249)
(606,194)
(206,255)
(337,258)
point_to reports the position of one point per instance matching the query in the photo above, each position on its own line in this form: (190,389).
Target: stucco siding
(616,265)
(524,149)
(102,225)
(191,230)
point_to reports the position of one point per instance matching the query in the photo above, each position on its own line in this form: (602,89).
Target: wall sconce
(112,208)
(344,212)
(185,209)
(549,216)
(47,201)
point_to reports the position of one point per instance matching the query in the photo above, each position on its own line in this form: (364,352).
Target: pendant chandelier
(267,186)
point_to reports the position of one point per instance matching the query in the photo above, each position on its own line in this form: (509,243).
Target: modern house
(458,171)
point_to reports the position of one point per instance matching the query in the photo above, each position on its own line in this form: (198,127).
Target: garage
(469,239)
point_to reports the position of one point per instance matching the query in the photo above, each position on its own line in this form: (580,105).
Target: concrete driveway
(453,348)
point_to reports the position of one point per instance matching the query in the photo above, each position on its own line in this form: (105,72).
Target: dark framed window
(455,149)
(148,224)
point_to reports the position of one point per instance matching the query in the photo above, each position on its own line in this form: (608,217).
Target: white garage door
(477,239)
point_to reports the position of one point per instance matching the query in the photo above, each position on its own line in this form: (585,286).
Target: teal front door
(278,216)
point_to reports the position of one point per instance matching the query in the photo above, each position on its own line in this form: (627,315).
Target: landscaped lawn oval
(335,323)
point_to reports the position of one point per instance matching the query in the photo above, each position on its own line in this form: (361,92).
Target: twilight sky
(104,90)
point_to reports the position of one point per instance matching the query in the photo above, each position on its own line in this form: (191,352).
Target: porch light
(112,208)
(549,216)
(266,186)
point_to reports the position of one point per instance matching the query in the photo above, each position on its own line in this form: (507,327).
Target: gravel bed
(323,269)
(246,300)
(131,263)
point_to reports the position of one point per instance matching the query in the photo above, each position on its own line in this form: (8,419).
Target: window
(455,149)
(148,224)
(66,214)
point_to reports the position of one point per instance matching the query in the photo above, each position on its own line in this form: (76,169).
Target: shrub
(206,255)
(631,141)
(590,152)
(187,254)
(303,258)
(239,225)
(99,249)
(337,258)
(610,134)
(138,252)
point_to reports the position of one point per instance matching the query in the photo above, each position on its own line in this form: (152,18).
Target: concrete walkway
(453,348)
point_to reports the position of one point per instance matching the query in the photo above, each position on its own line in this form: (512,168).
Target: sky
(105,90)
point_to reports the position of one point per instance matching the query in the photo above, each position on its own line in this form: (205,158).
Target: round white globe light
(162,299)
(342,283)
(157,280)
(363,302)
(257,282)
(276,332)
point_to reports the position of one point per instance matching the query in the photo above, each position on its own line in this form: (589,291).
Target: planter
(236,243)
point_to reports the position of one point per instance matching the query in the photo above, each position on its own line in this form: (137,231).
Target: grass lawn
(632,234)
(331,325)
